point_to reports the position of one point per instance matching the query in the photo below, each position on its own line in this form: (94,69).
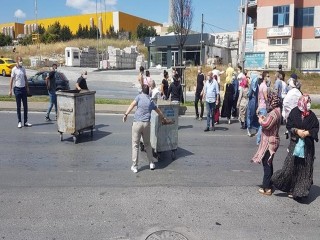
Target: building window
(281,15)
(279,41)
(308,60)
(304,17)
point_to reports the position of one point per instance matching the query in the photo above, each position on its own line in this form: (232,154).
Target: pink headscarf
(244,82)
(302,104)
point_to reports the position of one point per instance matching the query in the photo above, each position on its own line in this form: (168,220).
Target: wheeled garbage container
(76,112)
(165,137)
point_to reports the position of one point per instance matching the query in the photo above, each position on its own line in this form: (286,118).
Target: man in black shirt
(198,97)
(82,82)
(175,91)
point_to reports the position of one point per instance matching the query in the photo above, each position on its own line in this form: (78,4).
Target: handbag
(299,148)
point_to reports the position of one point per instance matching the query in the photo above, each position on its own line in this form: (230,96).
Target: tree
(111,33)
(79,33)
(145,31)
(171,29)
(52,34)
(181,15)
(27,40)
(65,33)
(5,40)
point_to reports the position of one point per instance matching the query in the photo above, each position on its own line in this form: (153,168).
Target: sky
(219,16)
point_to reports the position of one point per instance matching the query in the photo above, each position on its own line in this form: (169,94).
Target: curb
(99,108)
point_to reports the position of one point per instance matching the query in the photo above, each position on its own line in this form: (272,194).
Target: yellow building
(119,20)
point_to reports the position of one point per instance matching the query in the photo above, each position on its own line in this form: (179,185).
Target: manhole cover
(166,235)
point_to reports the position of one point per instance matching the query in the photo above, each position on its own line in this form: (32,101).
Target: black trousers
(267,171)
(196,101)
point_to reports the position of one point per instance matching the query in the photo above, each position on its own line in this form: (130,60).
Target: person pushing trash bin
(141,125)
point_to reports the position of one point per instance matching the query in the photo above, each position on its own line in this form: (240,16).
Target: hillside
(56,50)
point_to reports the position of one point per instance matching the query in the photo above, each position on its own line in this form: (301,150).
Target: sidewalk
(100,108)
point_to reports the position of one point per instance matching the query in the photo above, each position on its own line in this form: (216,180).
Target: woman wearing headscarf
(269,142)
(242,103)
(252,119)
(227,100)
(296,175)
(291,99)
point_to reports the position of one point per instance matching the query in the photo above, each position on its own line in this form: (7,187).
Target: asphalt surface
(60,190)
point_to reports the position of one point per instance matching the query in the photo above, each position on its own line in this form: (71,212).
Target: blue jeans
(53,101)
(262,112)
(21,95)
(210,113)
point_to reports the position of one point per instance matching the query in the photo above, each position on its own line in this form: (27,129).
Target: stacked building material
(89,57)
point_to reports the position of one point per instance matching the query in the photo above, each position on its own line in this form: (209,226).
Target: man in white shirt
(216,72)
(210,93)
(21,90)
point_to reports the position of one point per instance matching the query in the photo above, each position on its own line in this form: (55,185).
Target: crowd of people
(249,98)
(261,107)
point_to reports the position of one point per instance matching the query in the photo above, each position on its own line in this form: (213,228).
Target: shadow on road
(165,158)
(43,124)
(313,195)
(85,135)
(185,127)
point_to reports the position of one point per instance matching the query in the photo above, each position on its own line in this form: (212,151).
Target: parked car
(6,65)
(37,83)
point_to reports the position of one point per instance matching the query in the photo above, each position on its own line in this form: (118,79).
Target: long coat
(227,101)
(270,135)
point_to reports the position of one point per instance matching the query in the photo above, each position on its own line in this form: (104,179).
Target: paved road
(61,190)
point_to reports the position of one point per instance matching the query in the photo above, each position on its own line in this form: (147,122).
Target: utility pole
(243,34)
(201,40)
(97,29)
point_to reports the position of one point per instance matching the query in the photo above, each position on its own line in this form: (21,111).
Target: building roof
(171,40)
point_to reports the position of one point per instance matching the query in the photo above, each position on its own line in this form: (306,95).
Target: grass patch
(315,106)
(113,101)
(6,98)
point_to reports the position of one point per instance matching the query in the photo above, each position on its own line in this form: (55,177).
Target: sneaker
(27,124)
(152,166)
(249,133)
(229,121)
(207,129)
(19,125)
(197,118)
(290,195)
(200,119)
(47,118)
(134,169)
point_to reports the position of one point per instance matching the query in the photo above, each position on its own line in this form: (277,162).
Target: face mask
(85,76)
(308,106)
